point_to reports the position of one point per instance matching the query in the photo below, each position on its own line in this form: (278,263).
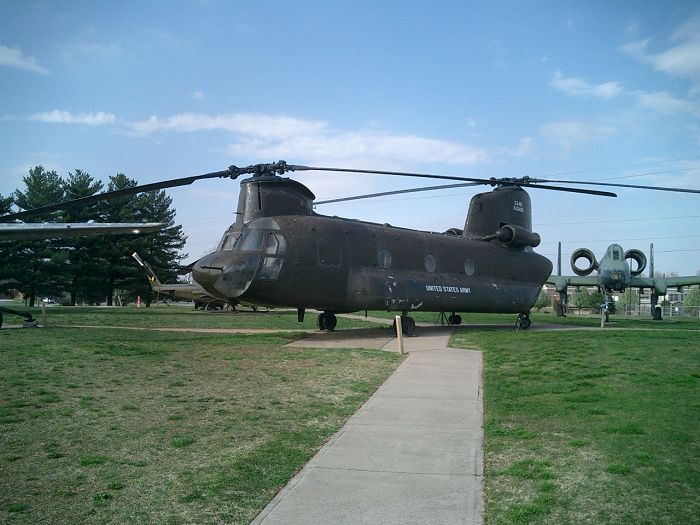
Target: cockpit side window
(250,240)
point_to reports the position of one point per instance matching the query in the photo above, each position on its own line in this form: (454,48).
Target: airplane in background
(187,291)
(615,274)
(53,230)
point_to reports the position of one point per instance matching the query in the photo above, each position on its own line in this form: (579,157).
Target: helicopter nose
(236,276)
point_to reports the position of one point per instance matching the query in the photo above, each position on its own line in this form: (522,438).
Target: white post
(399,333)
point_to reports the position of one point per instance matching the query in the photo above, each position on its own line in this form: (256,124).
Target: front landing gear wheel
(523,322)
(454,320)
(326,321)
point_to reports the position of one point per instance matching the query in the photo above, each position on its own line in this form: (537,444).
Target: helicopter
(616,274)
(280,252)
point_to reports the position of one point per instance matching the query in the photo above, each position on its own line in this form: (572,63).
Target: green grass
(590,426)
(168,316)
(159,427)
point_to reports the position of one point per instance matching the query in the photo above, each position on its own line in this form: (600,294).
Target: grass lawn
(594,426)
(158,427)
(176,316)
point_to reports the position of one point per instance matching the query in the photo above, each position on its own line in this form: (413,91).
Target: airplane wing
(561,282)
(50,230)
(661,284)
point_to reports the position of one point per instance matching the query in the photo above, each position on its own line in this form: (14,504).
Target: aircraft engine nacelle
(583,253)
(516,236)
(638,257)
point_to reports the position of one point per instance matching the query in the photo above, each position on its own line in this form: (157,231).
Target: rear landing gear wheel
(454,320)
(327,321)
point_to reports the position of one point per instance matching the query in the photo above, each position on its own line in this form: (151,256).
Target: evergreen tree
(84,272)
(5,205)
(36,265)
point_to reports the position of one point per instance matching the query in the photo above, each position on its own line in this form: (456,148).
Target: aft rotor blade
(564,188)
(172,183)
(399,192)
(617,185)
(491,182)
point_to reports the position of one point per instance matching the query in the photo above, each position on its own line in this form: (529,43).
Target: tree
(161,249)
(582,299)
(5,205)
(36,265)
(543,300)
(84,271)
(628,300)
(692,299)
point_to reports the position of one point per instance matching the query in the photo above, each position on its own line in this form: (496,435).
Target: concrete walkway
(411,454)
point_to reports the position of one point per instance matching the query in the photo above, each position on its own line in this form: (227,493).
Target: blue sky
(595,90)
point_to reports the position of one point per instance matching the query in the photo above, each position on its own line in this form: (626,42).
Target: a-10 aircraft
(615,274)
(186,291)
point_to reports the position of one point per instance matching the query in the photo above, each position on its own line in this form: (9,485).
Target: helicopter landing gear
(326,321)
(523,322)
(408,325)
(454,319)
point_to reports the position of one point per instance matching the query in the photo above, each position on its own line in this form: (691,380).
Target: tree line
(88,270)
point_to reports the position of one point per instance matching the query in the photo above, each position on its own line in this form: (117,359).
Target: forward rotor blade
(399,192)
(293,167)
(617,185)
(172,183)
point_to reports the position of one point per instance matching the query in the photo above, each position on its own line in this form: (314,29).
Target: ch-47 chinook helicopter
(280,252)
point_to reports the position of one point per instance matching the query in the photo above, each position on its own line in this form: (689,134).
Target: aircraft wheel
(524,322)
(408,326)
(327,321)
(657,314)
(454,320)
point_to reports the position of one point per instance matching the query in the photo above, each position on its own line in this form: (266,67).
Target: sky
(596,90)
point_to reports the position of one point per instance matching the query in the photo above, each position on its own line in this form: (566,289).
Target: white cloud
(578,87)
(13,57)
(274,136)
(665,103)
(251,124)
(66,117)
(682,59)
(569,133)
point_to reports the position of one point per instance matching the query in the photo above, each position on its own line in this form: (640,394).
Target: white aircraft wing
(50,230)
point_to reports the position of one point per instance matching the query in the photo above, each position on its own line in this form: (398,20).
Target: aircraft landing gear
(454,319)
(408,325)
(523,322)
(327,321)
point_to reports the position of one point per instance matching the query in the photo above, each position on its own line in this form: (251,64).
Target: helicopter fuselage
(344,265)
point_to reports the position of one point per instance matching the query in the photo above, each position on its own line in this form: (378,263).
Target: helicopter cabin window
(430,263)
(270,268)
(384,259)
(469,267)
(250,240)
(329,254)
